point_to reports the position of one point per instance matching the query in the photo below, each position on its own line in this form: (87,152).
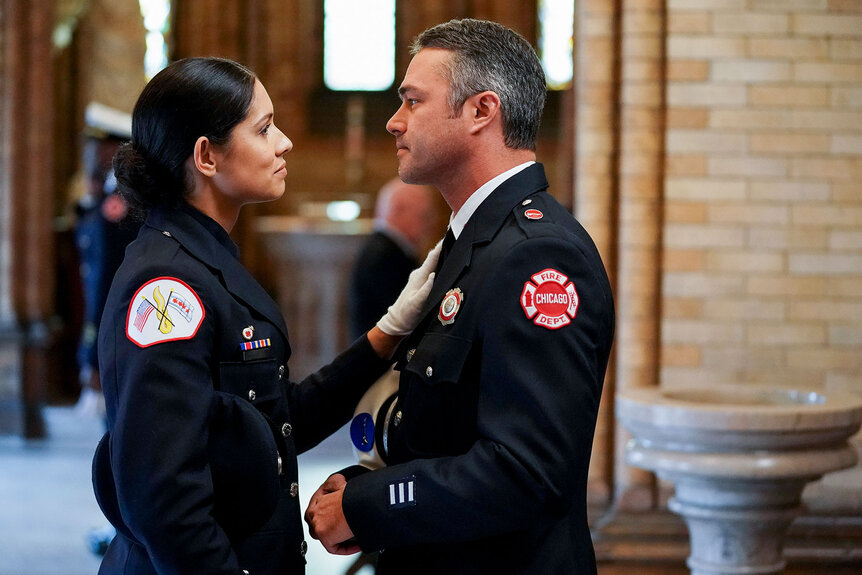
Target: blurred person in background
(102,232)
(404,224)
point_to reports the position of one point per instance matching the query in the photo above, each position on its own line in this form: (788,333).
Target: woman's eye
(265,130)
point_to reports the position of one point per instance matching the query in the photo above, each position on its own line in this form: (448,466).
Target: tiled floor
(47,504)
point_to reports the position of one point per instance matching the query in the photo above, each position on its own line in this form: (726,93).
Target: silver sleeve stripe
(402,492)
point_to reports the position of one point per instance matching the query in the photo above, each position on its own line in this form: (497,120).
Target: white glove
(403,315)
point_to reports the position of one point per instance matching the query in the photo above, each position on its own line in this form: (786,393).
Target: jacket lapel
(482,227)
(195,238)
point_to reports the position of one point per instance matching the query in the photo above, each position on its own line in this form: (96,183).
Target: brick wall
(762,278)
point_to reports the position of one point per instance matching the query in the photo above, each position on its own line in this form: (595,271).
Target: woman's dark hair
(190,98)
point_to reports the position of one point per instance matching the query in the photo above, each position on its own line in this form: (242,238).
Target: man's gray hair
(487,56)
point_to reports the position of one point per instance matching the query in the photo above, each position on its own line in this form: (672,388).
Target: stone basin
(745,418)
(739,459)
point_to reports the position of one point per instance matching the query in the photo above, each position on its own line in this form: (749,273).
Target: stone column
(641,166)
(26,192)
(595,181)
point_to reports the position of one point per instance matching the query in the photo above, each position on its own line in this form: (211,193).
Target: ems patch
(163,309)
(402,492)
(450,306)
(550,299)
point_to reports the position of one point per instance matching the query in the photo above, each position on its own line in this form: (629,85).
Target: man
(488,445)
(403,222)
(102,233)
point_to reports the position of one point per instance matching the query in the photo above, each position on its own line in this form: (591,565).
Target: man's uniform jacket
(198,469)
(488,445)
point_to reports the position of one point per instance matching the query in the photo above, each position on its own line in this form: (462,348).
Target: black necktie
(448,241)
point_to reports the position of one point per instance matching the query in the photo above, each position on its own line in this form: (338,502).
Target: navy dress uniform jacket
(489,443)
(101,245)
(198,469)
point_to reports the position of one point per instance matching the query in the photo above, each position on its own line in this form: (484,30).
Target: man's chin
(409,177)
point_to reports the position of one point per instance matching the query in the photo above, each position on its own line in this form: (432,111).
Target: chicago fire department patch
(163,309)
(550,299)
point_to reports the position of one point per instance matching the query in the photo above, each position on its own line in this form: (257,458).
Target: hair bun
(142,183)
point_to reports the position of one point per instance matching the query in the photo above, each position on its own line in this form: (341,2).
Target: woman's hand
(403,315)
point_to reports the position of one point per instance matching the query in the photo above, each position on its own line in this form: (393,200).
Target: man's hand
(325,518)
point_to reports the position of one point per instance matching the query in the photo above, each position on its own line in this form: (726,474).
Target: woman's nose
(284,145)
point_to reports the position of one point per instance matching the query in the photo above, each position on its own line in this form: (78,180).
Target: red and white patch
(450,306)
(163,309)
(534,215)
(114,208)
(550,299)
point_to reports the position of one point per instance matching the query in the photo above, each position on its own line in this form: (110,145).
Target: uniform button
(526,202)
(397,419)
(429,371)
(286,429)
(294,489)
(167,234)
(410,354)
(244,572)
(280,371)
(303,548)
(251,395)
(280,470)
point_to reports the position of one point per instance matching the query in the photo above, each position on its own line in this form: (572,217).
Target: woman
(198,468)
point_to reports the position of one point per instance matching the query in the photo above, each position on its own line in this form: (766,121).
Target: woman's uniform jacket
(198,469)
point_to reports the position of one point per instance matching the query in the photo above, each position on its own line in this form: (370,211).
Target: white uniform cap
(103,121)
(368,417)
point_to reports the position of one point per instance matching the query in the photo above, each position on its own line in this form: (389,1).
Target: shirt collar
(459,220)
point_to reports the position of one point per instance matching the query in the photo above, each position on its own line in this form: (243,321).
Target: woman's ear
(204,157)
(485,109)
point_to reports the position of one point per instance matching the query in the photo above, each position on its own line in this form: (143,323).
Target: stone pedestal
(739,461)
(311,266)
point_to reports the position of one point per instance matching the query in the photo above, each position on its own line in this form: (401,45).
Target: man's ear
(204,157)
(485,110)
